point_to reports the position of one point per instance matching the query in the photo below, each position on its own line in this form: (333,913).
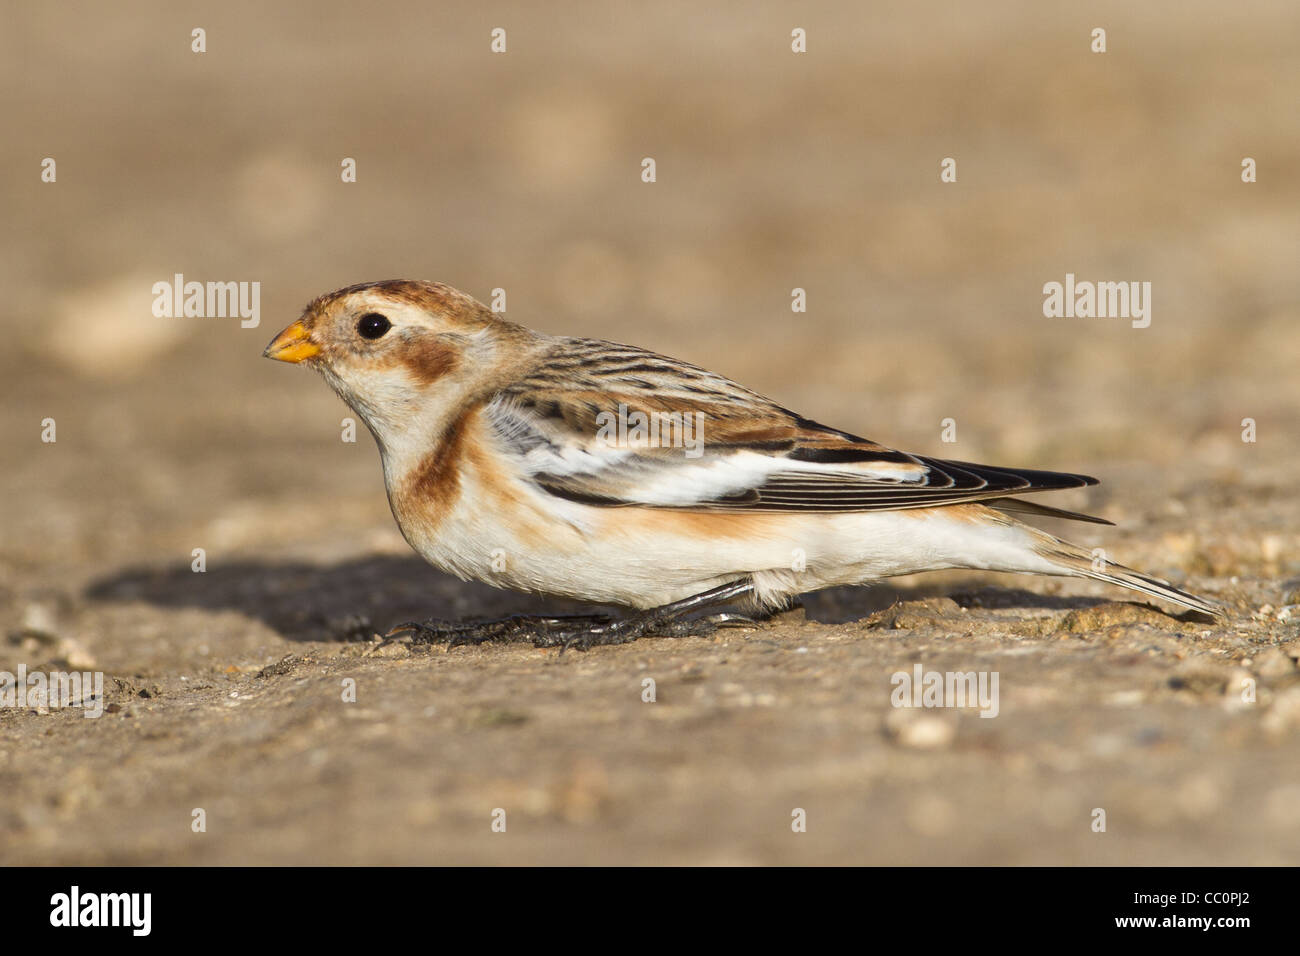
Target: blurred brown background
(522,171)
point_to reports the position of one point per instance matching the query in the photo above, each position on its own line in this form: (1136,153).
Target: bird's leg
(669,620)
(518,627)
(586,630)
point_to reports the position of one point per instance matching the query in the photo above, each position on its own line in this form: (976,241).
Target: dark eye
(373,325)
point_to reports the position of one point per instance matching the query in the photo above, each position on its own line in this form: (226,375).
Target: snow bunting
(614,475)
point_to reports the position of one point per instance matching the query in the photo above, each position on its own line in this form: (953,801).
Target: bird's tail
(1075,561)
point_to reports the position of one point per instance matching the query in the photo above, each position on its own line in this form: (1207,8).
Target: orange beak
(294,344)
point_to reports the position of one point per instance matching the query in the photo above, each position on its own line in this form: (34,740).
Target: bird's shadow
(357,598)
(348,601)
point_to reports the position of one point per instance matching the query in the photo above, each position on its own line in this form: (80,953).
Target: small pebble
(920,731)
(1273,662)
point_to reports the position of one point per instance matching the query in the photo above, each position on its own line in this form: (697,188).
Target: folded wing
(614,426)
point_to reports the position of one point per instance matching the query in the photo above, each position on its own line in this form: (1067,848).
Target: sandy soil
(226,689)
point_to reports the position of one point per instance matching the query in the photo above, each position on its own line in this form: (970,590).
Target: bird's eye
(372,325)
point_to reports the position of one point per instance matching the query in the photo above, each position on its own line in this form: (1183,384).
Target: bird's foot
(585,631)
(506,630)
(646,624)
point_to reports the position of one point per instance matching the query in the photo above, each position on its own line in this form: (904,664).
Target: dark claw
(732,620)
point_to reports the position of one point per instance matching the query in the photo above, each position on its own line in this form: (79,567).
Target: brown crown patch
(433,297)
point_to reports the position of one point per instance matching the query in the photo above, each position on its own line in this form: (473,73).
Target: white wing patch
(667,477)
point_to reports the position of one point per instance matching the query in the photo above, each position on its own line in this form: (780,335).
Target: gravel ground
(253,691)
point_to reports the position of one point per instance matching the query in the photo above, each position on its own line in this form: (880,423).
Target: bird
(606,473)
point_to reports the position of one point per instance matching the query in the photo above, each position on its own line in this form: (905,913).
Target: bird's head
(400,350)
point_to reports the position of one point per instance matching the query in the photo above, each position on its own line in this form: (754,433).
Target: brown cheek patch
(428,360)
